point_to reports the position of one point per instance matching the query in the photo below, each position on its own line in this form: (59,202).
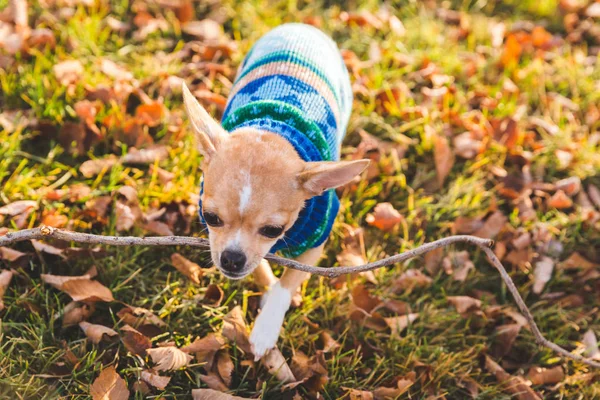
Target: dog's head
(255,185)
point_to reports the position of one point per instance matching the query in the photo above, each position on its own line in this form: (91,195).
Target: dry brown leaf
(329,343)
(137,316)
(310,372)
(275,363)
(5,278)
(91,168)
(135,342)
(68,72)
(76,312)
(443,157)
(213,295)
(410,279)
(163,175)
(466,145)
(505,338)
(150,114)
(389,393)
(80,288)
(362,299)
(384,217)
(591,345)
(512,384)
(158,228)
(560,200)
(577,261)
(109,386)
(17,207)
(571,185)
(542,273)
(10,255)
(207,29)
(115,71)
(234,329)
(210,394)
(512,51)
(159,382)
(169,358)
(213,381)
(46,248)
(150,155)
(546,376)
(96,333)
(492,226)
(466,225)
(357,394)
(464,304)
(187,267)
(225,367)
(433,260)
(398,324)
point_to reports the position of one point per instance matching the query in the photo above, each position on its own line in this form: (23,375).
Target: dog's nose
(232,260)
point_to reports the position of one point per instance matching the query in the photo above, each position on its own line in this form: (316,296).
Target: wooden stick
(43,232)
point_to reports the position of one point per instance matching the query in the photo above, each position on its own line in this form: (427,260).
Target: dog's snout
(233,260)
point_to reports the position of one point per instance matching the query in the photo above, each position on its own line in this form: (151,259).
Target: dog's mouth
(234,275)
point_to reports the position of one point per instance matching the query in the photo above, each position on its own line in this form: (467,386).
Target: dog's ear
(320,176)
(208,131)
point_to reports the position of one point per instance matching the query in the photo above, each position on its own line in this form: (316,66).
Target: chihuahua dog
(270,167)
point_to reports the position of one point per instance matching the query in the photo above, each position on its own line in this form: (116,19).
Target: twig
(484,244)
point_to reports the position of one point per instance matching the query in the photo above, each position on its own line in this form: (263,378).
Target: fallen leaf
(109,386)
(5,278)
(150,155)
(542,273)
(560,200)
(213,295)
(164,176)
(135,342)
(97,333)
(76,312)
(115,71)
(150,114)
(159,382)
(463,304)
(398,324)
(591,345)
(311,372)
(357,394)
(571,186)
(466,145)
(17,207)
(466,225)
(213,381)
(205,30)
(91,168)
(80,288)
(363,300)
(458,264)
(275,363)
(492,226)
(137,317)
(384,217)
(505,338)
(225,367)
(234,329)
(11,255)
(187,267)
(511,384)
(577,261)
(68,72)
(410,279)
(546,376)
(433,260)
(169,358)
(210,394)
(512,51)
(443,158)
(46,248)
(329,343)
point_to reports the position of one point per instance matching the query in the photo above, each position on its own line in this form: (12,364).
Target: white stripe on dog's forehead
(246,191)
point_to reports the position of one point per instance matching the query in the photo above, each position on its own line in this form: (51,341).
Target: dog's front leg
(268,324)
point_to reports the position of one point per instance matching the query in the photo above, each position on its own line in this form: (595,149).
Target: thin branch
(44,232)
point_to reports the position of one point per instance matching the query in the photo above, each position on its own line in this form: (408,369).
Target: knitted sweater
(294,83)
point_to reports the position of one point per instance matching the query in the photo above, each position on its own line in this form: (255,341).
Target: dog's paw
(268,324)
(264,336)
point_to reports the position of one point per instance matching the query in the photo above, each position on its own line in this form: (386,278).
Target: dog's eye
(271,231)
(212,219)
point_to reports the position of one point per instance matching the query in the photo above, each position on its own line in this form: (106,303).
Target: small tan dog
(256,184)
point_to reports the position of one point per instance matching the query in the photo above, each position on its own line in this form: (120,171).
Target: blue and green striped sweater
(293,82)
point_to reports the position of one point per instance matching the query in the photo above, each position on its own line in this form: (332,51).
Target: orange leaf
(512,51)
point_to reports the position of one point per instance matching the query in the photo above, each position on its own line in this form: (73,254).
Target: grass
(441,346)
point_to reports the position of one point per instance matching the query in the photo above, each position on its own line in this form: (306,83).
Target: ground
(481,117)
